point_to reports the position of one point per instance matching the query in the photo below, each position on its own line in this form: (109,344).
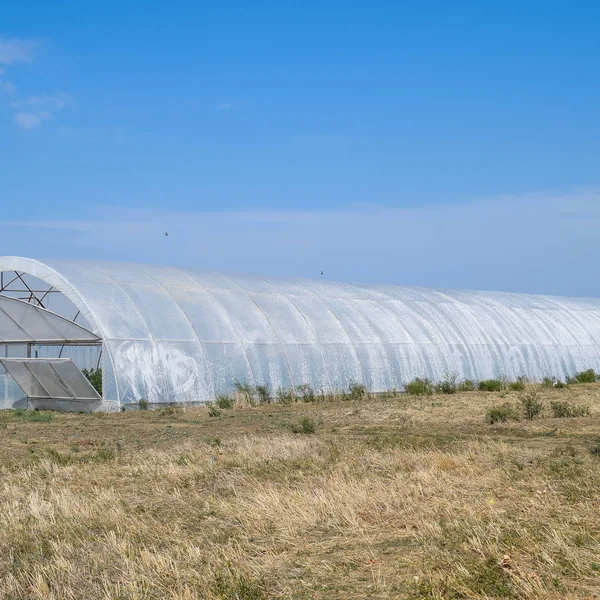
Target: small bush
(466,386)
(94,376)
(143,404)
(264,394)
(548,382)
(357,391)
(242,387)
(588,376)
(491,385)
(214,412)
(563,410)
(502,413)
(560,384)
(224,401)
(530,405)
(284,396)
(306,425)
(305,393)
(518,385)
(447,386)
(419,387)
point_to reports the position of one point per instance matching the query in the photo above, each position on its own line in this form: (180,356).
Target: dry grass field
(402,497)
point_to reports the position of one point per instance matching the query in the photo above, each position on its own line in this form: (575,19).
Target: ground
(401,497)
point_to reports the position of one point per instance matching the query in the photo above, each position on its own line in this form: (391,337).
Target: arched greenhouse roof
(183,335)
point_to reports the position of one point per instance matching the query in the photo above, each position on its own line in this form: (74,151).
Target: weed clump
(530,405)
(588,376)
(419,387)
(305,393)
(357,391)
(502,413)
(306,425)
(263,393)
(491,385)
(447,386)
(224,401)
(468,385)
(284,396)
(518,385)
(170,411)
(594,446)
(143,404)
(563,410)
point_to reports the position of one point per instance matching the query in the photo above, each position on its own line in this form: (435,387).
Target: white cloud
(15,50)
(30,120)
(33,111)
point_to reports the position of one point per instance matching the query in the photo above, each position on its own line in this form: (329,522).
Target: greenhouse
(172,335)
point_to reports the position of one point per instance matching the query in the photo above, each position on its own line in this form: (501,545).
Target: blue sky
(426,143)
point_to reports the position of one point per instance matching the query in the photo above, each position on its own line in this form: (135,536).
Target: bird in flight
(167,233)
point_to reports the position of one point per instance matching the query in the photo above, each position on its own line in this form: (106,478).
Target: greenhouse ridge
(181,335)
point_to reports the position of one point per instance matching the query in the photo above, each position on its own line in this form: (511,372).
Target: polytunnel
(183,336)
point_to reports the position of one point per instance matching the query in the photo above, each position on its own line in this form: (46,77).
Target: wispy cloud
(15,50)
(224,106)
(520,244)
(32,111)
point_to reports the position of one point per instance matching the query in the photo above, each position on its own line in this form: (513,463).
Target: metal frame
(32,294)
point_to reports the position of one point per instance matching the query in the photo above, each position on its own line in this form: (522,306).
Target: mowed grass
(403,497)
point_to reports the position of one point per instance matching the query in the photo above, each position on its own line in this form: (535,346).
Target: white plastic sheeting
(25,323)
(184,335)
(50,379)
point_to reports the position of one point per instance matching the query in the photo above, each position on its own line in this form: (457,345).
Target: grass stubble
(403,497)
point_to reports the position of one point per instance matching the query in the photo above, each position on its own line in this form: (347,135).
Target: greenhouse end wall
(181,335)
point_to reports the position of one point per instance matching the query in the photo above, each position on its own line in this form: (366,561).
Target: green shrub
(95,378)
(305,393)
(548,382)
(530,405)
(502,413)
(466,386)
(284,396)
(214,412)
(491,385)
(588,376)
(560,384)
(518,385)
(562,410)
(357,391)
(224,401)
(419,387)
(264,394)
(306,425)
(143,404)
(447,386)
